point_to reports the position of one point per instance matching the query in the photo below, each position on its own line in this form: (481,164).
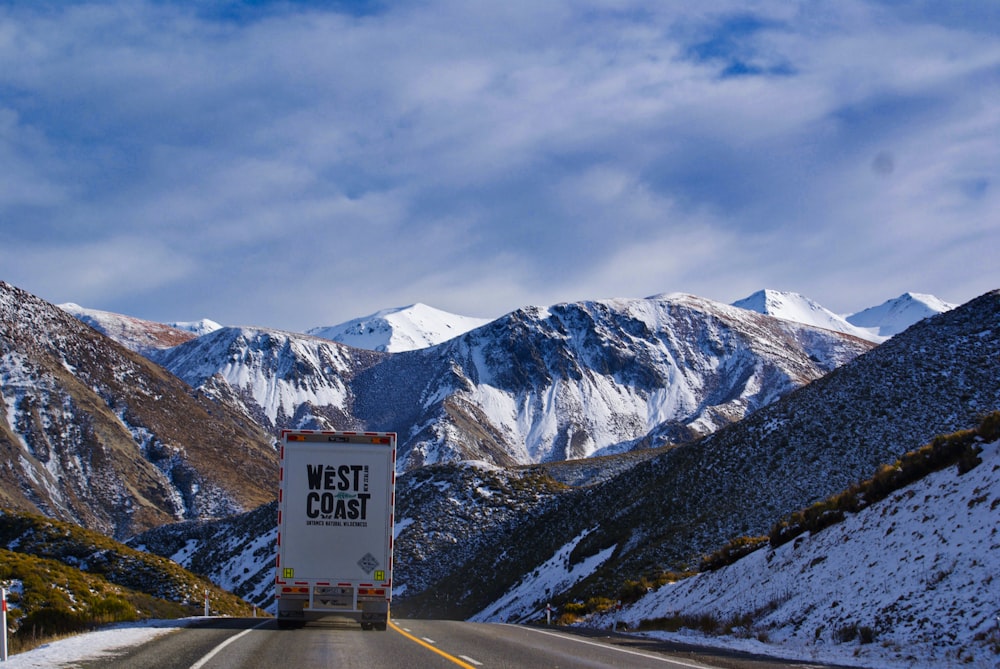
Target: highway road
(254,643)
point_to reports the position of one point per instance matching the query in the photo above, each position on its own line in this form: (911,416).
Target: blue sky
(298,164)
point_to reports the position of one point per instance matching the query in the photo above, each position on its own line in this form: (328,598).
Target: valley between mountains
(572,455)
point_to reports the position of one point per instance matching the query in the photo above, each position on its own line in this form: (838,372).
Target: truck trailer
(336,497)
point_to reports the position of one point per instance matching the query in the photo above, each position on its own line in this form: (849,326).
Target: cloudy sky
(297,164)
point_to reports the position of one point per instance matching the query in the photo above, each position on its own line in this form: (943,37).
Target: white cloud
(97,270)
(559,141)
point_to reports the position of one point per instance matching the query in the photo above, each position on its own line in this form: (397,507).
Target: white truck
(336,496)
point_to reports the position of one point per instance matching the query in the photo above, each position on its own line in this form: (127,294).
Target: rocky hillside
(907,581)
(93,433)
(237,553)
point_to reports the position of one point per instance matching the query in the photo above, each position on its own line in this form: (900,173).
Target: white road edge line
(215,651)
(570,637)
(470,660)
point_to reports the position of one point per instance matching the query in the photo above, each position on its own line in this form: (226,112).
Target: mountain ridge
(421,326)
(538,384)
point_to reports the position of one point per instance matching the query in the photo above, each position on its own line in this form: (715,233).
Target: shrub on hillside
(961,448)
(731,552)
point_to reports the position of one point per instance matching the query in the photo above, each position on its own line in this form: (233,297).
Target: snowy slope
(908,582)
(893,316)
(400,329)
(801,309)
(525,601)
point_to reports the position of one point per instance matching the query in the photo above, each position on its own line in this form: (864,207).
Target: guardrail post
(3,625)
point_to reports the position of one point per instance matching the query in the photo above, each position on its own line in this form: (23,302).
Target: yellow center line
(450,658)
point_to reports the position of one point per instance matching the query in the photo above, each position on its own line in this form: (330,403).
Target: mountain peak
(800,309)
(893,316)
(400,329)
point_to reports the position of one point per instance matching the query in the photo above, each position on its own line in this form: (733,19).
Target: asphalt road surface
(254,643)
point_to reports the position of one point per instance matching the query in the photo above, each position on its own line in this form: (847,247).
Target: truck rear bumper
(294,611)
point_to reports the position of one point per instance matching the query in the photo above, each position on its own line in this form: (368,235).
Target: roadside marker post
(3,623)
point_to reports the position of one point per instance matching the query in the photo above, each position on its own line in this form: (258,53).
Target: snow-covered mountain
(134,334)
(876,324)
(578,379)
(400,329)
(801,309)
(893,316)
(539,384)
